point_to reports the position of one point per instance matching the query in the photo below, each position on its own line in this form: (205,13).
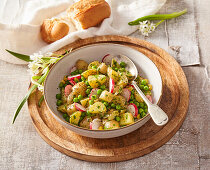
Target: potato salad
(99,96)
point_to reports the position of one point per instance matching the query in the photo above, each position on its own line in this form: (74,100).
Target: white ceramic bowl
(89,53)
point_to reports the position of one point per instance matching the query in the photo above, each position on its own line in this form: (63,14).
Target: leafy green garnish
(20,56)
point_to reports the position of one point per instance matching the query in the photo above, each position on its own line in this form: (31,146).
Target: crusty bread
(88,13)
(53,30)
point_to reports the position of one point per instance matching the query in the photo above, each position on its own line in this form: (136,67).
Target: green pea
(118,107)
(76,71)
(146,88)
(132,91)
(94,67)
(113,105)
(80,71)
(116,69)
(102,87)
(141,110)
(122,64)
(91,102)
(108,107)
(143,82)
(141,105)
(86,82)
(67,119)
(143,114)
(145,110)
(141,87)
(76,80)
(132,97)
(80,97)
(58,96)
(145,106)
(137,104)
(122,69)
(61,84)
(59,102)
(65,115)
(83,78)
(131,102)
(117,118)
(75,100)
(106,104)
(93,97)
(99,91)
(73,73)
(88,91)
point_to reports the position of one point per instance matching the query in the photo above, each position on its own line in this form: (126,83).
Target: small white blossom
(146,27)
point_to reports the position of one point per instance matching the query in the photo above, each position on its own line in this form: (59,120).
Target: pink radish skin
(126,93)
(150,98)
(68,90)
(72,82)
(132,108)
(107,59)
(73,69)
(80,107)
(93,92)
(91,125)
(130,85)
(78,76)
(111,85)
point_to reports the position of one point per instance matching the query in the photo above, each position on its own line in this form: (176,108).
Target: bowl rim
(108,130)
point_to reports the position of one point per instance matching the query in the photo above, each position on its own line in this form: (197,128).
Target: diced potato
(96,80)
(122,111)
(97,108)
(63,96)
(94,63)
(117,89)
(112,74)
(115,63)
(126,119)
(138,97)
(81,65)
(89,72)
(62,108)
(111,125)
(119,100)
(123,81)
(85,102)
(112,114)
(79,88)
(106,96)
(102,68)
(71,109)
(75,117)
(130,88)
(86,122)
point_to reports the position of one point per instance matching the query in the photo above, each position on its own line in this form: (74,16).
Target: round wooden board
(144,140)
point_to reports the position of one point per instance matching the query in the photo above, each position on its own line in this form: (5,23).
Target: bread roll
(88,13)
(53,30)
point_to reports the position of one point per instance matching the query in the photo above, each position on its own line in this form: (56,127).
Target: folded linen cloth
(20,23)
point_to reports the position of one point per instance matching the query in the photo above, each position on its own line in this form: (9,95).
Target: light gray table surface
(22,148)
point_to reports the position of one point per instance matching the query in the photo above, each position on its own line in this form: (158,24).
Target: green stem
(158,23)
(40,101)
(157,17)
(28,94)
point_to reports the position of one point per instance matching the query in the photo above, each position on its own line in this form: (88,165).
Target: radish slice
(126,93)
(107,59)
(72,82)
(73,69)
(131,85)
(150,98)
(80,107)
(68,90)
(78,76)
(111,85)
(93,92)
(132,108)
(91,125)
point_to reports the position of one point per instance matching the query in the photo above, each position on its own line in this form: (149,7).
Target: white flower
(146,27)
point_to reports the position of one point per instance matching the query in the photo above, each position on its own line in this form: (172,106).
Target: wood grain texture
(142,141)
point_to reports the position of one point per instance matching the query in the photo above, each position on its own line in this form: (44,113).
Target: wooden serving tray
(174,102)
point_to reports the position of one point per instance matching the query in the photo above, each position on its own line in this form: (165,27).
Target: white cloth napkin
(20,23)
